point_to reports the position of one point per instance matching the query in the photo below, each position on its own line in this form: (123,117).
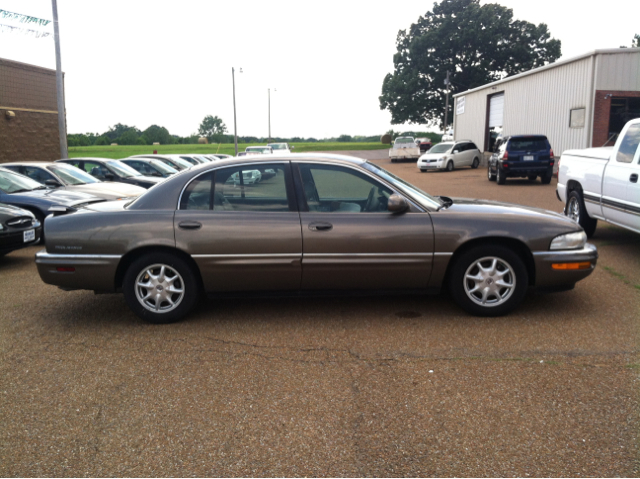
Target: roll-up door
(496,110)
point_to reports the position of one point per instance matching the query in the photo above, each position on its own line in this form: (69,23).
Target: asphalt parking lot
(350,386)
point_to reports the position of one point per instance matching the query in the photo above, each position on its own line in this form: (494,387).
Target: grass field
(125,151)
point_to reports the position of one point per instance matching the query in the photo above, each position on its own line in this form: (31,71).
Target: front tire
(450,165)
(490,175)
(475,163)
(576,210)
(160,287)
(488,280)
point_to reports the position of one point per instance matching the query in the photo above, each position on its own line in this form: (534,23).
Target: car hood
(65,198)
(107,190)
(434,156)
(8,211)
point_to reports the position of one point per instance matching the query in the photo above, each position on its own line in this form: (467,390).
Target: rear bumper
(91,271)
(546,276)
(522,171)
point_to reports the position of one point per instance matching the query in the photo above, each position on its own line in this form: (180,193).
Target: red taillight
(65,269)
(551,153)
(506,155)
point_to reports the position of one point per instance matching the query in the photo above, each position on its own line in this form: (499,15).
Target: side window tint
(472,146)
(38,174)
(259,187)
(95,169)
(197,195)
(629,144)
(342,190)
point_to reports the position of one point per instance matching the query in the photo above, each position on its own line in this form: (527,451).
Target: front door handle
(633,178)
(190,225)
(320,226)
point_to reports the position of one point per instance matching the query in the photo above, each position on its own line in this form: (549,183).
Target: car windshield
(123,170)
(188,159)
(70,175)
(162,167)
(404,140)
(257,149)
(15,183)
(420,196)
(528,144)
(278,146)
(441,148)
(178,161)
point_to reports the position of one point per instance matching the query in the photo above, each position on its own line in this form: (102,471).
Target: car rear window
(528,144)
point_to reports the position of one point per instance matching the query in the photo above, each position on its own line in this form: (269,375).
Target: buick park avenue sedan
(314,222)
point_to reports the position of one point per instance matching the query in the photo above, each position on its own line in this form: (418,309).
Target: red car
(424,144)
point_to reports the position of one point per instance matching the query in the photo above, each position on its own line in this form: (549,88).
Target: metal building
(577,103)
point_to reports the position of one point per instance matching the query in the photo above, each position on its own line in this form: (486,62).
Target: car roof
(520,137)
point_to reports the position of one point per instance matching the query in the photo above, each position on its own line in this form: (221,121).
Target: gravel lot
(361,386)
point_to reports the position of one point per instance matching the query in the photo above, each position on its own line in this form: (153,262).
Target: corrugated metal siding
(535,104)
(620,71)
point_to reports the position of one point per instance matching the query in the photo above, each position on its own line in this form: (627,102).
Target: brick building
(577,103)
(30,132)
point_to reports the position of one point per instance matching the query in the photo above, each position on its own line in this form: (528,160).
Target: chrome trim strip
(588,249)
(364,255)
(274,255)
(442,254)
(42,255)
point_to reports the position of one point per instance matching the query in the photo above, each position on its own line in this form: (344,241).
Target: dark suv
(521,156)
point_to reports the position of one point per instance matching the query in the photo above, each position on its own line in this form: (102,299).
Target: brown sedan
(308,223)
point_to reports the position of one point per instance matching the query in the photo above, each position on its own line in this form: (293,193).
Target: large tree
(210,126)
(477,43)
(157,134)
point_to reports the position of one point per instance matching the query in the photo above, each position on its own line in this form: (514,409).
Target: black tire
(423,171)
(475,163)
(450,165)
(576,210)
(500,176)
(393,160)
(532,177)
(490,175)
(509,268)
(186,280)
(546,179)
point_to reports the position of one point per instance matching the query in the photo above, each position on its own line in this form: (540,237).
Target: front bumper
(546,276)
(436,165)
(14,240)
(91,271)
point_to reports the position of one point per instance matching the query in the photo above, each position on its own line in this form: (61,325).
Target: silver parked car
(69,178)
(318,222)
(450,155)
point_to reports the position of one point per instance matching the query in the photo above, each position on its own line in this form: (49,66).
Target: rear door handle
(633,178)
(320,226)
(190,225)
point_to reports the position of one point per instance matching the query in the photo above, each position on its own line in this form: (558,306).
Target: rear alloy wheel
(475,163)
(490,175)
(450,165)
(488,280)
(500,177)
(576,210)
(160,288)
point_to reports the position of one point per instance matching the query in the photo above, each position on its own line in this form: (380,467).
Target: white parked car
(258,150)
(603,183)
(281,147)
(448,136)
(249,177)
(450,155)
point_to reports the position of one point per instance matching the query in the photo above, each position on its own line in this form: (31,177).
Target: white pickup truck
(602,183)
(404,148)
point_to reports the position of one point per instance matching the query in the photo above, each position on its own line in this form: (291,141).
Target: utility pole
(235,127)
(62,126)
(269,96)
(447,82)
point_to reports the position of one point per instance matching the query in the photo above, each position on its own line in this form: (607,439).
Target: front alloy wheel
(488,280)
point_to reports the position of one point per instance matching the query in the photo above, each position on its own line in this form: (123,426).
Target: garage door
(496,110)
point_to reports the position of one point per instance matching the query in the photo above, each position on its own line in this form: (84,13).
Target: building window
(576,119)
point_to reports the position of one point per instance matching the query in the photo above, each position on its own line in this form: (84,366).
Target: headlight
(569,241)
(444,158)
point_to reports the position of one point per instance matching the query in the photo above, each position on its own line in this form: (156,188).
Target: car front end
(19,228)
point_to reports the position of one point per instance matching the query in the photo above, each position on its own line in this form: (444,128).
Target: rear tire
(532,177)
(576,210)
(160,287)
(488,280)
(546,179)
(500,176)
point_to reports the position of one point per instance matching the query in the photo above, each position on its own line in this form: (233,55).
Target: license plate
(528,158)
(29,235)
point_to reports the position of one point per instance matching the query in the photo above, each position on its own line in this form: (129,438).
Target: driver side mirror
(397,204)
(455,151)
(52,183)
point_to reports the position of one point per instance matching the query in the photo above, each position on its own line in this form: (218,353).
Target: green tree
(158,134)
(635,43)
(210,126)
(103,140)
(119,129)
(477,43)
(129,137)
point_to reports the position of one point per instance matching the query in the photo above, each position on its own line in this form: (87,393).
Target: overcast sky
(143,62)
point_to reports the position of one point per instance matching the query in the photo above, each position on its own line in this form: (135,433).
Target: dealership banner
(24,19)
(24,31)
